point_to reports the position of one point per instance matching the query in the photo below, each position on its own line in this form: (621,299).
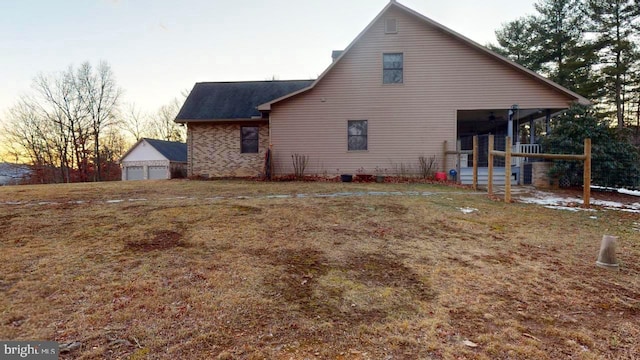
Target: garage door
(135,173)
(157,172)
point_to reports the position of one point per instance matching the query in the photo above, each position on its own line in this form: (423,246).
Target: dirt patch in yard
(341,290)
(158,240)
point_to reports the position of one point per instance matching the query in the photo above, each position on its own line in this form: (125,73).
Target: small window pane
(392,61)
(392,77)
(249,142)
(357,134)
(392,68)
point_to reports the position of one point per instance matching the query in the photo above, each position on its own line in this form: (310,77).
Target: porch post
(512,112)
(510,124)
(490,170)
(444,156)
(507,171)
(475,162)
(532,131)
(547,122)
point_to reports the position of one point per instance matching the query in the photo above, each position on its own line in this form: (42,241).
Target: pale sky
(157,48)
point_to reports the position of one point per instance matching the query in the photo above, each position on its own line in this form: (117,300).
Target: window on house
(249,139)
(357,135)
(392,65)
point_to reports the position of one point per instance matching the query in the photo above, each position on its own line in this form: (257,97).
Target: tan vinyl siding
(214,151)
(441,75)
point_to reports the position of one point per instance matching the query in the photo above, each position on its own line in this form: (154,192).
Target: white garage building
(151,159)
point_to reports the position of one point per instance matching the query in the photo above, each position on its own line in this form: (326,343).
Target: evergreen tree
(552,42)
(516,42)
(560,45)
(614,23)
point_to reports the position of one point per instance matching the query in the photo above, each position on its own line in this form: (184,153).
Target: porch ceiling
(482,121)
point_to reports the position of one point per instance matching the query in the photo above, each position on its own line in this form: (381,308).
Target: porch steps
(466,176)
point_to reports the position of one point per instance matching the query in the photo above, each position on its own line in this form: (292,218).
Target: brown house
(401,89)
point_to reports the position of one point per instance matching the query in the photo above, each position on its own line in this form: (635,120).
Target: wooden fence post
(507,170)
(490,179)
(444,156)
(475,162)
(586,191)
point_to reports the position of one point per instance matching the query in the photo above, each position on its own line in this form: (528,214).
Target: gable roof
(234,100)
(172,150)
(456,36)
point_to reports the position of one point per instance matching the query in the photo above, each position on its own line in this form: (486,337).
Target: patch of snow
(323,195)
(567,208)
(141,199)
(629,192)
(635,211)
(278,196)
(593,217)
(114,201)
(620,190)
(607,204)
(467,210)
(565,203)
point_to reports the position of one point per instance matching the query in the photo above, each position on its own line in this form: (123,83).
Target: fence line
(508,154)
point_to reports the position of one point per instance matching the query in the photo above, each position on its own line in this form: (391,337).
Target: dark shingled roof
(234,100)
(172,150)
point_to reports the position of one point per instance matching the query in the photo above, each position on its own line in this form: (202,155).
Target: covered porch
(524,126)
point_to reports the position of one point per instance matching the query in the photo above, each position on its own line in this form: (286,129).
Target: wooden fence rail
(507,154)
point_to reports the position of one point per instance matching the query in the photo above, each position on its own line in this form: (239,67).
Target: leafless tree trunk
(60,103)
(99,95)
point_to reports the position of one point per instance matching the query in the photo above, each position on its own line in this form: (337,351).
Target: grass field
(221,270)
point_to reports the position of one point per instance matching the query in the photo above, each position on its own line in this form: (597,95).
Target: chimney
(335,54)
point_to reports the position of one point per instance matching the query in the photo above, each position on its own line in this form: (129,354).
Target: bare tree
(134,121)
(60,125)
(99,95)
(163,126)
(32,136)
(59,102)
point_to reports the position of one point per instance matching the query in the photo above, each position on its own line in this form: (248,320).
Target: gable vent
(390,26)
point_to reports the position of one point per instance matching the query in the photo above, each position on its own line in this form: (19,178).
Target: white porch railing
(524,149)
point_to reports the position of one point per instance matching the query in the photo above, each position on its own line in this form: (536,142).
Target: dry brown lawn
(218,270)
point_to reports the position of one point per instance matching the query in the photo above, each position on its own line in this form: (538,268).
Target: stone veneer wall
(214,151)
(540,176)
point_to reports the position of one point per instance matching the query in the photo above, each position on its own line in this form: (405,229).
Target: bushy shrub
(615,162)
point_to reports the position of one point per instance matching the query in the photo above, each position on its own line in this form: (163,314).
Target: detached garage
(151,159)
